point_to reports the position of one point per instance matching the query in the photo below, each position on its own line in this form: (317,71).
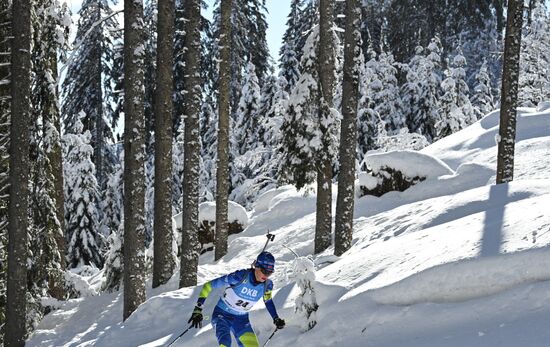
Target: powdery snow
(207,212)
(451,261)
(410,163)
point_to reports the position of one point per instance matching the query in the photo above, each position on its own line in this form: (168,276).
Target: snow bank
(476,143)
(410,163)
(235,213)
(264,202)
(207,212)
(467,279)
(543,106)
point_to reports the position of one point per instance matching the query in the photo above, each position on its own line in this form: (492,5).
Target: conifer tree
(483,100)
(247,112)
(92,82)
(111,202)
(248,43)
(50,34)
(114,262)
(387,98)
(456,110)
(81,198)
(309,133)
(534,81)
(367,118)
(288,54)
(421,92)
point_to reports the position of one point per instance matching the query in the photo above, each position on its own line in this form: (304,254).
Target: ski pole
(270,237)
(269,338)
(177,338)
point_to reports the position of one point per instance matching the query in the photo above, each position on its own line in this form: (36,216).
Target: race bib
(237,303)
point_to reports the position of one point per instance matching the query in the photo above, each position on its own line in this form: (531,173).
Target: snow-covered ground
(452,261)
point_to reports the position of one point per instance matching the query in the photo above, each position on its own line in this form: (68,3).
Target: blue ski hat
(265,261)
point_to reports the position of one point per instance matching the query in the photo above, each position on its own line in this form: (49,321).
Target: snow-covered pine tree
(114,261)
(456,110)
(113,223)
(301,136)
(259,124)
(111,201)
(92,82)
(50,35)
(421,92)
(81,198)
(534,80)
(248,43)
(387,99)
(255,166)
(306,302)
(288,57)
(272,135)
(241,132)
(177,170)
(209,128)
(309,17)
(367,118)
(247,113)
(303,143)
(149,191)
(478,47)
(483,100)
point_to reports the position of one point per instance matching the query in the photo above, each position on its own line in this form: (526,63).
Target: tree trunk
(56,284)
(190,247)
(343,233)
(19,175)
(323,224)
(134,158)
(163,265)
(222,172)
(509,92)
(99,125)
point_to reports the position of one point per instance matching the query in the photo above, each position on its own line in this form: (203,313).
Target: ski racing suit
(231,313)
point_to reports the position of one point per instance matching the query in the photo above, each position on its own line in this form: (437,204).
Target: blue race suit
(231,313)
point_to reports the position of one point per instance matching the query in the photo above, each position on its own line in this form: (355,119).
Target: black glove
(196,318)
(279,323)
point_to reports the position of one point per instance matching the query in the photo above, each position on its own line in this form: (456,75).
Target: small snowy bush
(306,302)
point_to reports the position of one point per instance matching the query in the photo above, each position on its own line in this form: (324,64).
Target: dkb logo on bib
(249,292)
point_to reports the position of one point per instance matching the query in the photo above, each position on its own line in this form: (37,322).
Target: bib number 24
(242,303)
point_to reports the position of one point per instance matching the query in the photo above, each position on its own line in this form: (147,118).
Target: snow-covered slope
(452,261)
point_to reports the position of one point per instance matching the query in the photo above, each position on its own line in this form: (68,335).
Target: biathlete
(244,288)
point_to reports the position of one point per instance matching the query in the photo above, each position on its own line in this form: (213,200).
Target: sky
(276,20)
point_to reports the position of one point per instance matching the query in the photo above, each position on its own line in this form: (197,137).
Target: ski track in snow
(452,261)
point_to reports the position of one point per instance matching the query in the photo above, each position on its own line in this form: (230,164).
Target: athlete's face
(261,276)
